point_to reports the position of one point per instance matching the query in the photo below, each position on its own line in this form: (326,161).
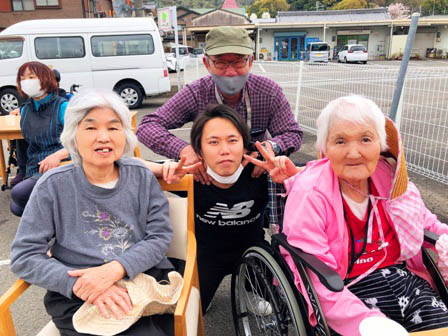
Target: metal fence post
(197,67)
(299,85)
(403,67)
(399,109)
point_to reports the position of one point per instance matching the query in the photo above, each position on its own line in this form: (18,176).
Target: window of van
(11,48)
(320,47)
(59,47)
(122,45)
(183,51)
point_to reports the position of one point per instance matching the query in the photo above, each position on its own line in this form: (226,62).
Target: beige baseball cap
(228,40)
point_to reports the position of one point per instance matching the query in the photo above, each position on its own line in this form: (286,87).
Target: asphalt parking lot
(29,313)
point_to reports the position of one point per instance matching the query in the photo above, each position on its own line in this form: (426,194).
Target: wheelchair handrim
(284,286)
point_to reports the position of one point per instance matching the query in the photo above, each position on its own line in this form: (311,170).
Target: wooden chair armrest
(190,279)
(12,294)
(6,300)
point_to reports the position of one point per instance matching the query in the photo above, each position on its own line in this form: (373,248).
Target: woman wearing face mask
(229,211)
(42,121)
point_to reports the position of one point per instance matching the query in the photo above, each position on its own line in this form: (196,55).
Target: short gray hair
(354,108)
(81,104)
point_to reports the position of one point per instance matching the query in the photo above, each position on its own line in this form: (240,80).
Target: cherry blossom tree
(398,11)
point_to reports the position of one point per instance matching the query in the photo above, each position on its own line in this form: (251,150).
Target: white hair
(81,104)
(354,108)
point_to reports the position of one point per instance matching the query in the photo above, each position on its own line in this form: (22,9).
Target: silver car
(318,52)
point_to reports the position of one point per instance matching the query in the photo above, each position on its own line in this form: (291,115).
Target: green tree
(328,3)
(271,6)
(376,3)
(310,5)
(299,5)
(244,3)
(435,6)
(351,4)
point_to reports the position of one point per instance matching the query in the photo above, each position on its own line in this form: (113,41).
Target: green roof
(201,11)
(241,11)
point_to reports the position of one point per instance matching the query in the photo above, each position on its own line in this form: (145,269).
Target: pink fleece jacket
(314,222)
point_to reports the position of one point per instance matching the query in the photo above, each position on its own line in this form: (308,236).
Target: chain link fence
(423,119)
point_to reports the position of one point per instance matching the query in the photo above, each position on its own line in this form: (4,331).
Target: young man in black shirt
(229,211)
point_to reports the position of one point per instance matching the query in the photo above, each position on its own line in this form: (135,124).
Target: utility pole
(139,11)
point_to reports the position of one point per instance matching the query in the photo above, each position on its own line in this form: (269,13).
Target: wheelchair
(263,271)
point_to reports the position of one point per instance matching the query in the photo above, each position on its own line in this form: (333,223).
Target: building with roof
(12,12)
(228,15)
(287,37)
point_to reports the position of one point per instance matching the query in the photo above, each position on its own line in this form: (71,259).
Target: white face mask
(31,87)
(231,179)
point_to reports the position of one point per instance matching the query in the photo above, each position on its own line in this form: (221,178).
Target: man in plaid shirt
(259,100)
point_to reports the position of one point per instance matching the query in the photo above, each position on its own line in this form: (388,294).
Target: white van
(318,52)
(123,54)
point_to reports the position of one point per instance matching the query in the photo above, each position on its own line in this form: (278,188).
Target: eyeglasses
(236,64)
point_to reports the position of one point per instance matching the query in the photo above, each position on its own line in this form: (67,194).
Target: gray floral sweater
(91,226)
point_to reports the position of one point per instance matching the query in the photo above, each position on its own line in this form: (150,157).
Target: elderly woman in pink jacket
(357,212)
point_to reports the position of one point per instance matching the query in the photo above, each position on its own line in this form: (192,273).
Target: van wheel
(131,94)
(345,60)
(9,100)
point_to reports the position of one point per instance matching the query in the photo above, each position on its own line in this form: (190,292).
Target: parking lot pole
(397,118)
(198,60)
(173,12)
(403,67)
(299,85)
(138,7)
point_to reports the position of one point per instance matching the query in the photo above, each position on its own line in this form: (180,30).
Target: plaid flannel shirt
(271,113)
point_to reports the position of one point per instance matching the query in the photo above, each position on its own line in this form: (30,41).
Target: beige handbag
(148,297)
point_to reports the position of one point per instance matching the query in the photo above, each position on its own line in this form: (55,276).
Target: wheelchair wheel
(261,275)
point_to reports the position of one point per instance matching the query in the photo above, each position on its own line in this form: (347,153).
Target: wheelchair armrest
(431,237)
(326,275)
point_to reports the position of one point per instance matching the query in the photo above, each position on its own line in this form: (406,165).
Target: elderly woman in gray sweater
(105,215)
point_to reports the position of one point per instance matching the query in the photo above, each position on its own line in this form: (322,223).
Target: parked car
(123,54)
(185,53)
(353,53)
(198,52)
(171,61)
(318,52)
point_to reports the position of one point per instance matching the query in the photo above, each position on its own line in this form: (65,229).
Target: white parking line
(4,262)
(261,67)
(437,61)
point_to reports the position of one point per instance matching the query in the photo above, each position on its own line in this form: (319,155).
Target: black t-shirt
(229,220)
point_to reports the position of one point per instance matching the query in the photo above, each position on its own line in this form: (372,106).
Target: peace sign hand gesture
(279,167)
(172,172)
